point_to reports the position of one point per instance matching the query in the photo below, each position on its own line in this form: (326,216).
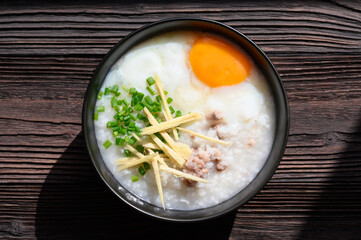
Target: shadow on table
(337,212)
(74,203)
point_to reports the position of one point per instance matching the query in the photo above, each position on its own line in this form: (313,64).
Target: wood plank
(48,186)
(287,26)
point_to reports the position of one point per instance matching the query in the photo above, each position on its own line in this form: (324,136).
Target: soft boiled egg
(200,71)
(218,63)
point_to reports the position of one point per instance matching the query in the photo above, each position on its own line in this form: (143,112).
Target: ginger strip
(181,174)
(181,149)
(224,143)
(133,150)
(152,146)
(168,151)
(133,162)
(137,137)
(160,159)
(164,134)
(147,158)
(125,160)
(171,123)
(158,180)
(168,116)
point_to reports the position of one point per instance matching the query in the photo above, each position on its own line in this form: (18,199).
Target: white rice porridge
(246,109)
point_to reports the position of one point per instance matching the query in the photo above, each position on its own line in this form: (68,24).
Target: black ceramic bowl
(262,62)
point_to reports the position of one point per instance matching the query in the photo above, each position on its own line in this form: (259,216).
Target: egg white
(167,56)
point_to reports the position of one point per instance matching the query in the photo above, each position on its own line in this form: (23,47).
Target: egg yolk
(217,63)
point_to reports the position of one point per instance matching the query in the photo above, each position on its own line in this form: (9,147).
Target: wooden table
(48,186)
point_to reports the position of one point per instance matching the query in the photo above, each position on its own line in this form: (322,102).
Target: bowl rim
(269,173)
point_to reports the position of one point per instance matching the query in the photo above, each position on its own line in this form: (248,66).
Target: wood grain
(50,190)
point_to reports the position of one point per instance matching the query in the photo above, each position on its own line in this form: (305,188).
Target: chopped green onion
(126,122)
(114,89)
(115,133)
(119,141)
(140,148)
(154,110)
(96,116)
(169,100)
(150,81)
(106,91)
(131,90)
(171,109)
(165,92)
(158,106)
(178,113)
(149,100)
(140,96)
(160,137)
(114,102)
(100,109)
(117,108)
(123,131)
(158,98)
(132,117)
(135,94)
(151,90)
(141,171)
(100,95)
(112,124)
(159,120)
(117,94)
(117,116)
(158,151)
(125,89)
(138,107)
(126,103)
(134,101)
(107,144)
(147,105)
(127,152)
(146,166)
(126,139)
(132,140)
(134,178)
(140,116)
(116,129)
(145,120)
